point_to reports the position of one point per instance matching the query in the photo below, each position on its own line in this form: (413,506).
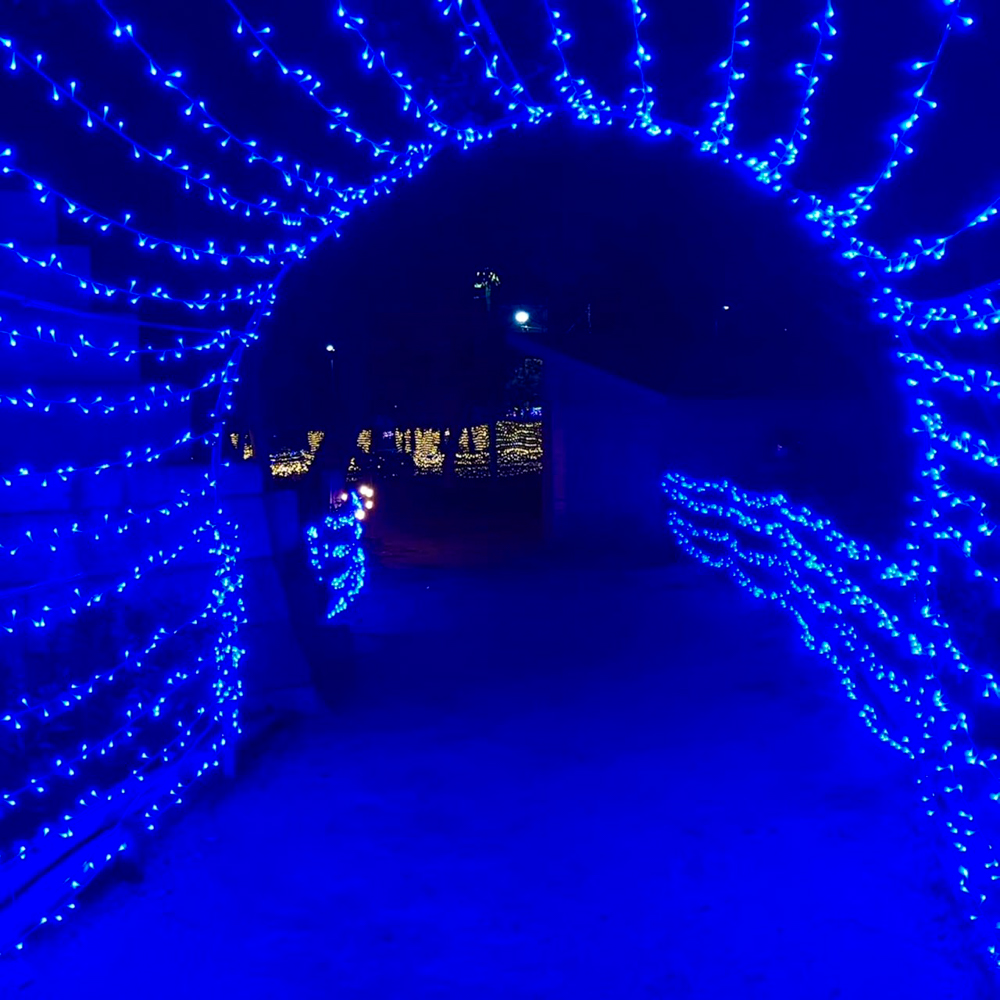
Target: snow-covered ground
(542,781)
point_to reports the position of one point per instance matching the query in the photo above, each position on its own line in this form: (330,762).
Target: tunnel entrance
(739,378)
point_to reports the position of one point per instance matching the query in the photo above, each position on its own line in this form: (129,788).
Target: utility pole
(486,281)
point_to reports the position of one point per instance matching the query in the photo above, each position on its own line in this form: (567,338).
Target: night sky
(567,218)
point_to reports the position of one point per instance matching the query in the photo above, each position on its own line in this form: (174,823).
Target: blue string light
(152,562)
(146,241)
(575,90)
(145,401)
(928,248)
(191,179)
(721,127)
(933,372)
(335,551)
(251,294)
(30,539)
(78,692)
(782,158)
(908,661)
(310,84)
(643,94)
(221,338)
(424,110)
(966,312)
(517,93)
(195,110)
(131,458)
(900,137)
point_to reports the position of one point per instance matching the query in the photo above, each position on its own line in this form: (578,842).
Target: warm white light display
(518,445)
(472,460)
(427,454)
(294,463)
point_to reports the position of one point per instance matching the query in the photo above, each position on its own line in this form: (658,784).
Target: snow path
(542,782)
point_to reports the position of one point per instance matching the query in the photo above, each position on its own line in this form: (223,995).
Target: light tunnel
(150,221)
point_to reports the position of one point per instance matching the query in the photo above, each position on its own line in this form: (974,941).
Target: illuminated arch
(306,206)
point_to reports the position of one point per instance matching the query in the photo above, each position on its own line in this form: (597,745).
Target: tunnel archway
(563,251)
(161,339)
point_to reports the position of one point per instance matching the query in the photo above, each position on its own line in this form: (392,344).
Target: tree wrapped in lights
(335,552)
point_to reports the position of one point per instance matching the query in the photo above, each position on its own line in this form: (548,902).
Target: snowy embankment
(543,782)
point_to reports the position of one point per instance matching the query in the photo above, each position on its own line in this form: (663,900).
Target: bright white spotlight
(330,348)
(521,317)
